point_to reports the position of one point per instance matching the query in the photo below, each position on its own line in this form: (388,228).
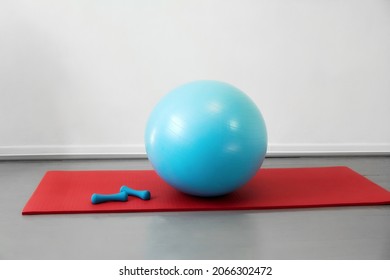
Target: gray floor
(322,233)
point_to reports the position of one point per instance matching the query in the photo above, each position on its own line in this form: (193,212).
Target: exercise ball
(206,138)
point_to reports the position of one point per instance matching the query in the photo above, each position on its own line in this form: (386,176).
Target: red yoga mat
(65,192)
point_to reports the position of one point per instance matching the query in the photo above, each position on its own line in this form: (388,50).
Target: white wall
(80,77)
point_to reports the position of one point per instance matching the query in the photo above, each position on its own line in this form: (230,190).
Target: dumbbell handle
(144,194)
(99,198)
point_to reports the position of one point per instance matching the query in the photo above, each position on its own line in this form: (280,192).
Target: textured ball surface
(206,138)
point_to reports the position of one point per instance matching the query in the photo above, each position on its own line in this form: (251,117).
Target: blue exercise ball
(206,138)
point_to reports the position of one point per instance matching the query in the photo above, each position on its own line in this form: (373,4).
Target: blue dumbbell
(99,198)
(145,195)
